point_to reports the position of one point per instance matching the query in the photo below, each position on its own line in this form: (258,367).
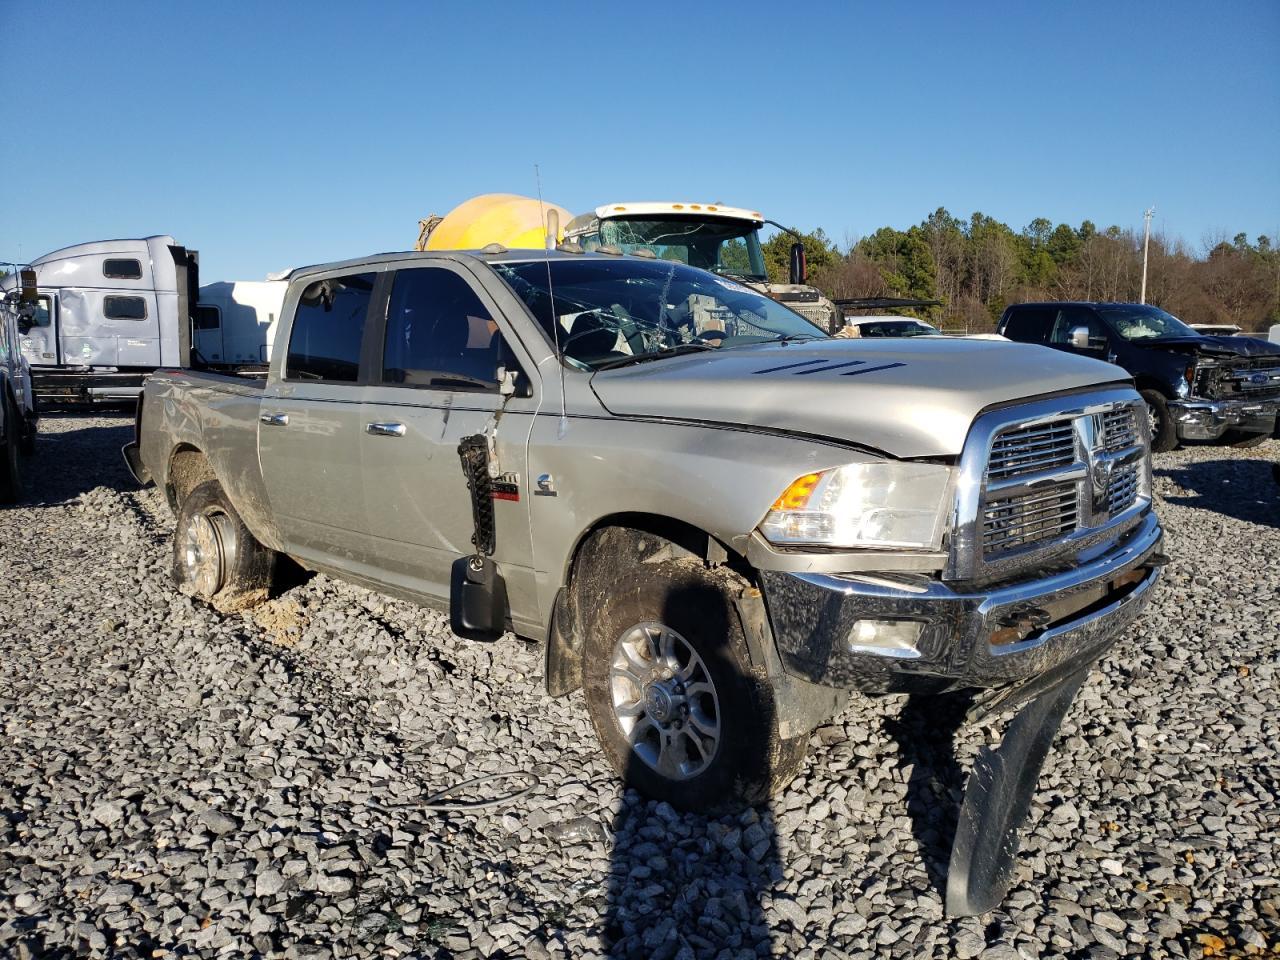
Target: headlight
(862,505)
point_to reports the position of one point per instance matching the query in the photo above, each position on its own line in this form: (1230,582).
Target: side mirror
(507,380)
(1079,338)
(799,266)
(27,278)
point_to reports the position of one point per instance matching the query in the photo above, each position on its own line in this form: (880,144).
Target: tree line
(976,267)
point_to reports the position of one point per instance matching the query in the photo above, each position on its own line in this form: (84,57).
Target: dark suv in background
(1196,387)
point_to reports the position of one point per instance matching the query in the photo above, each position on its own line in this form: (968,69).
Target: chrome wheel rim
(664,701)
(202,555)
(1153,420)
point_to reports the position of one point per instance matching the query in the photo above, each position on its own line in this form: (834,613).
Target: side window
(122,269)
(1069,318)
(327,329)
(439,334)
(124,308)
(44,312)
(208,318)
(1029,324)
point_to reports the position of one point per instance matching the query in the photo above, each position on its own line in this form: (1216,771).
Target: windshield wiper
(675,351)
(735,275)
(793,338)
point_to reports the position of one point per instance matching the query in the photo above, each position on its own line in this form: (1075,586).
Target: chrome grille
(1118,429)
(1012,522)
(1122,491)
(1047,445)
(1048,477)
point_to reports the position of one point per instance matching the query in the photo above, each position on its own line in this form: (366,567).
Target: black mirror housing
(799,265)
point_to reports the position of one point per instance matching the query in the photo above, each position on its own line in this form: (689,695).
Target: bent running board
(997,799)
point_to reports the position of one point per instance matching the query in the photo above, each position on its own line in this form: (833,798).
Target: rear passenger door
(310,425)
(437,381)
(1029,324)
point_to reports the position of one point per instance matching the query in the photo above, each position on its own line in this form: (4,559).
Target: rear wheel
(215,557)
(679,710)
(1164,436)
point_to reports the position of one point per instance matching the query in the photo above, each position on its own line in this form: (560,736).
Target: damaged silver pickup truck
(718,520)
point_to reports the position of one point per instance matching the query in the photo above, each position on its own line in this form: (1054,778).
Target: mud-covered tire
(750,762)
(1164,435)
(215,557)
(1242,440)
(10,455)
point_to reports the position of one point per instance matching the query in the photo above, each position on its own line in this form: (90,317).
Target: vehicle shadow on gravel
(925,732)
(70,463)
(687,886)
(1243,489)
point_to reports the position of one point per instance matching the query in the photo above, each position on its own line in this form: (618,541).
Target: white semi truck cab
(108,313)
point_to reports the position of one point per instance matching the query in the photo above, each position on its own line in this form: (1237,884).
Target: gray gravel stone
(216,785)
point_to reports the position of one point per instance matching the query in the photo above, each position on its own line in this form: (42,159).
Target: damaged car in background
(718,520)
(1196,387)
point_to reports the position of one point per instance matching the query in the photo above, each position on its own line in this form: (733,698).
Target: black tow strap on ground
(997,799)
(478,594)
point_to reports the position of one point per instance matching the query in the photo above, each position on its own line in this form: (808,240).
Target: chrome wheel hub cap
(664,700)
(202,559)
(1153,420)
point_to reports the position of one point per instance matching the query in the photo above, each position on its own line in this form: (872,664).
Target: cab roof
(479,256)
(610,211)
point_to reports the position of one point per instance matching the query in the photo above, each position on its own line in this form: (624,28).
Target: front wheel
(215,557)
(10,456)
(679,710)
(1164,435)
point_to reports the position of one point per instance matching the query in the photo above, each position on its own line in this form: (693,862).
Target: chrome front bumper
(1210,419)
(986,638)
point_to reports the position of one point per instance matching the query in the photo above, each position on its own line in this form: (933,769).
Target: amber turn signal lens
(796,496)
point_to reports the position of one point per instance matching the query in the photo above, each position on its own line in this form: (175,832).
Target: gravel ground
(175,782)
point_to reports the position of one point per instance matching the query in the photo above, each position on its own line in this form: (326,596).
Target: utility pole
(1146,244)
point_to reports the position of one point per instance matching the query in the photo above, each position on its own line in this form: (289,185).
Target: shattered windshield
(606,312)
(1135,321)
(724,246)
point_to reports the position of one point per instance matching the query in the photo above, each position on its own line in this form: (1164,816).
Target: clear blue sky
(267,135)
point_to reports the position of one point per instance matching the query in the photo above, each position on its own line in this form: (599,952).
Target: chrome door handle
(385,429)
(274,419)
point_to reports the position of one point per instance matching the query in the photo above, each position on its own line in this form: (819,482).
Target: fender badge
(505,487)
(546,486)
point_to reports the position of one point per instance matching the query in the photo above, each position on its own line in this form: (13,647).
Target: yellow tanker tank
(515,222)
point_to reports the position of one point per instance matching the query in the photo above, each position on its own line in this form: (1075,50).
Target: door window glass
(208,318)
(1029,324)
(439,334)
(43,316)
(328,328)
(122,269)
(124,308)
(1071,317)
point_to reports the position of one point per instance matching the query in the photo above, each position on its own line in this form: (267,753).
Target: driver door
(39,341)
(435,381)
(1073,318)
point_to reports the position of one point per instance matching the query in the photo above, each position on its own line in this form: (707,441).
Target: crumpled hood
(1214,346)
(908,398)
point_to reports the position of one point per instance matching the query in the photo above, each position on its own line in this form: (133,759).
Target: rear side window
(439,334)
(122,269)
(1029,324)
(208,318)
(124,308)
(328,328)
